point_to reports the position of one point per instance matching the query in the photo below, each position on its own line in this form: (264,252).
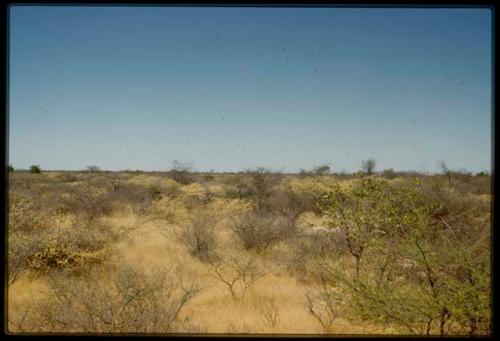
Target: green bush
(427,263)
(35,169)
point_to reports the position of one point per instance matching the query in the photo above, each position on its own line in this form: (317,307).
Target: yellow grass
(151,244)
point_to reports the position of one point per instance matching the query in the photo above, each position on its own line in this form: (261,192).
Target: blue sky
(235,88)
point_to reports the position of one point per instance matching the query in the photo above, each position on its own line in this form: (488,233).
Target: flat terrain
(253,252)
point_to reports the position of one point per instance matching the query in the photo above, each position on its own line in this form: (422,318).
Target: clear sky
(235,88)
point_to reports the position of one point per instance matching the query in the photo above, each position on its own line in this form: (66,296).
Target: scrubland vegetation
(250,252)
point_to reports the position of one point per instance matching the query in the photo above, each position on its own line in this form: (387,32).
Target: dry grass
(189,232)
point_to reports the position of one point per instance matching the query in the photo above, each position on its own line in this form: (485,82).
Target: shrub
(126,301)
(68,177)
(429,262)
(237,186)
(303,173)
(321,170)
(25,215)
(93,169)
(262,183)
(368,166)
(86,205)
(181,172)
(298,196)
(198,235)
(169,210)
(322,308)
(28,233)
(257,185)
(196,194)
(208,177)
(140,198)
(35,169)
(269,311)
(50,258)
(238,274)
(307,251)
(92,237)
(259,230)
(389,173)
(21,247)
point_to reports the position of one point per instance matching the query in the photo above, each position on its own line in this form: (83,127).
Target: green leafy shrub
(428,269)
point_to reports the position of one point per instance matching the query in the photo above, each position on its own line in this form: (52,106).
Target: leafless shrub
(88,238)
(181,172)
(208,195)
(93,169)
(269,311)
(260,230)
(286,201)
(25,214)
(135,196)
(322,309)
(128,301)
(86,206)
(237,186)
(304,173)
(454,177)
(28,232)
(262,184)
(368,166)
(198,235)
(237,274)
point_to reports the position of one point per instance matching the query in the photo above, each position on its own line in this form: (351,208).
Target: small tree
(321,170)
(238,274)
(93,169)
(304,173)
(199,235)
(181,172)
(262,182)
(359,214)
(10,168)
(368,166)
(35,169)
(389,173)
(430,260)
(259,231)
(446,171)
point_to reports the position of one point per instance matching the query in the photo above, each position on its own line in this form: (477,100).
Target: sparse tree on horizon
(181,172)
(321,170)
(368,166)
(93,169)
(35,169)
